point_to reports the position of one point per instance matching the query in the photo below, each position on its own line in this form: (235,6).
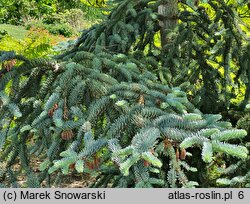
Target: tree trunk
(168,12)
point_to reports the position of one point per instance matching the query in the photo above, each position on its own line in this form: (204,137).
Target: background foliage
(59,17)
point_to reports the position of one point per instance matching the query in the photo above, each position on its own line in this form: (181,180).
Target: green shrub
(34,24)
(56,28)
(37,43)
(75,18)
(60,29)
(66,23)
(19,12)
(54,18)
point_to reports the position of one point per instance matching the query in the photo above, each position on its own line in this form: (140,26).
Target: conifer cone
(51,112)
(8,65)
(67,134)
(72,166)
(55,107)
(90,165)
(141,100)
(146,163)
(96,162)
(183,154)
(167,143)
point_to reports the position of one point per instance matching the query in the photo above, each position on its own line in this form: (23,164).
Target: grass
(18,32)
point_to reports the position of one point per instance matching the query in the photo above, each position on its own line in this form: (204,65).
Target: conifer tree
(210,44)
(105,108)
